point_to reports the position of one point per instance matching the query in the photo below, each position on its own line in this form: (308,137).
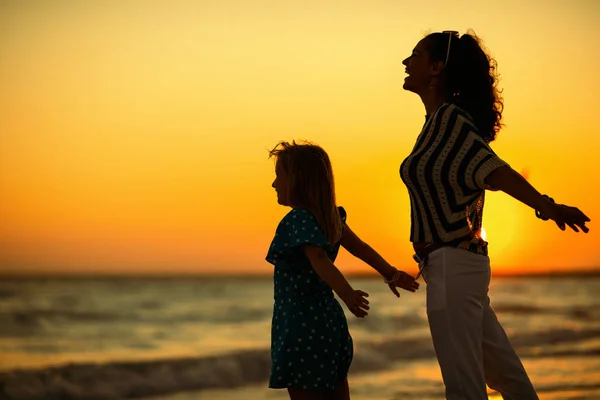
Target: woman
(446,175)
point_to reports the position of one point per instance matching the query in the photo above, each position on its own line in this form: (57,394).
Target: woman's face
(419,68)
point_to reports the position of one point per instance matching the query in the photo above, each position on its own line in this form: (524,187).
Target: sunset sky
(134,135)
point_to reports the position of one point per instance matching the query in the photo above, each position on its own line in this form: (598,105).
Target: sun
(501,227)
(482,233)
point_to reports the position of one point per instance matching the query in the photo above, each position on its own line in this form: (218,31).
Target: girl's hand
(564,215)
(403,280)
(356,302)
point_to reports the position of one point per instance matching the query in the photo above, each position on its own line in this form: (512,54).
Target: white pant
(471,346)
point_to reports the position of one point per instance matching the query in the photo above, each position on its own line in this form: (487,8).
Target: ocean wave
(579,313)
(20,322)
(386,324)
(125,380)
(6,293)
(23,322)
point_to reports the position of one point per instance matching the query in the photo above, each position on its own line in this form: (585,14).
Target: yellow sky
(133,135)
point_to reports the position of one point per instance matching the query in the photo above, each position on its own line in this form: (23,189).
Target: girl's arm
(355,299)
(364,252)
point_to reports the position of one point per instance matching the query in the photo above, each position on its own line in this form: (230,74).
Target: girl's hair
(310,184)
(470,78)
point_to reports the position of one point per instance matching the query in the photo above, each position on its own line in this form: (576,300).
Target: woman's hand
(402,280)
(356,302)
(564,215)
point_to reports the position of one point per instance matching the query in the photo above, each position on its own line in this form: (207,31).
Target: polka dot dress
(311,347)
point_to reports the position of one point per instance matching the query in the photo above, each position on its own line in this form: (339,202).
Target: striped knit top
(444,175)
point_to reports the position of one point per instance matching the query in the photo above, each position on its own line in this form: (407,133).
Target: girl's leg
(303,394)
(457,283)
(341,391)
(503,369)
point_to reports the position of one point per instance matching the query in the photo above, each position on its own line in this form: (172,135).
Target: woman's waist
(473,244)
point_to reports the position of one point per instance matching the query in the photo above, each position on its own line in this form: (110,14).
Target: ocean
(208,338)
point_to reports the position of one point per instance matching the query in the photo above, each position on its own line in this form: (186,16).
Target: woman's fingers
(572,226)
(572,217)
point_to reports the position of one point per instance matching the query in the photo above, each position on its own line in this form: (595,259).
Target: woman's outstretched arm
(512,183)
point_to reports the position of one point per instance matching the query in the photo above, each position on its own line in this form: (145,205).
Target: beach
(208,338)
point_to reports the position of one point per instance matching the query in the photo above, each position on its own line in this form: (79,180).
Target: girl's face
(280,184)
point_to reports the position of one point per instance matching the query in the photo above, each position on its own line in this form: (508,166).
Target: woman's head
(304,179)
(459,70)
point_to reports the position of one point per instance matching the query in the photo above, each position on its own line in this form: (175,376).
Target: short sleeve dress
(311,347)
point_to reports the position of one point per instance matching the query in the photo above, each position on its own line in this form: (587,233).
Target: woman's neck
(432,101)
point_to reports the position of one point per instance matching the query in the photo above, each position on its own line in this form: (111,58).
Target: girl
(446,174)
(311,348)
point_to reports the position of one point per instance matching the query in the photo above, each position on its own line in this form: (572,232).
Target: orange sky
(134,135)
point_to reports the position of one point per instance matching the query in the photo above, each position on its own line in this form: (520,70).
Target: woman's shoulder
(456,110)
(453,119)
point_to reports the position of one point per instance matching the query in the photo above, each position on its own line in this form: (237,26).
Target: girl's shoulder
(303,213)
(343,214)
(295,217)
(298,212)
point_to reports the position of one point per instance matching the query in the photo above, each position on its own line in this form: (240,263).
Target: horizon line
(562,273)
